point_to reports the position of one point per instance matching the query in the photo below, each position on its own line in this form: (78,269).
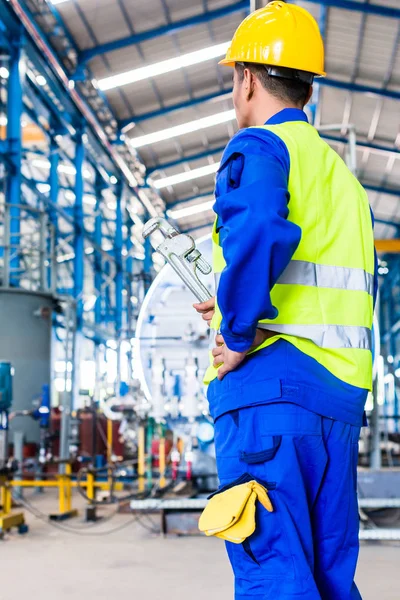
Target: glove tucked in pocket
(231,514)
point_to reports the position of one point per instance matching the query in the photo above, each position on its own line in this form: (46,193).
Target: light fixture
(170,132)
(43,187)
(165,66)
(40,80)
(90,302)
(4,73)
(55,2)
(69,195)
(113,179)
(65,257)
(188,211)
(185,176)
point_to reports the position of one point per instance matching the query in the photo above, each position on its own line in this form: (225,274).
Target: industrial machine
(8,517)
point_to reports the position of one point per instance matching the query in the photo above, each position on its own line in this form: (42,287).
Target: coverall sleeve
(257,239)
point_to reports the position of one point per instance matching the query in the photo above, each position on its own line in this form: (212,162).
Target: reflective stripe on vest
(301,272)
(326,336)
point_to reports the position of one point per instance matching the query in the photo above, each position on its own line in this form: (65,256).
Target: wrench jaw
(161,224)
(180,251)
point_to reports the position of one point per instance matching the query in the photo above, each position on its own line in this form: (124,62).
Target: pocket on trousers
(271,445)
(266,553)
(254,447)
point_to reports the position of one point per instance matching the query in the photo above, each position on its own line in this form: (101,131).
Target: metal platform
(380,534)
(155,504)
(180,515)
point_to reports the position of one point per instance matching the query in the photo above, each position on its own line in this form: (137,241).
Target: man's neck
(264,112)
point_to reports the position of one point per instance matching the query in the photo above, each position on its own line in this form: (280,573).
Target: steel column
(119,279)
(54,190)
(79,260)
(14,143)
(98,273)
(79,229)
(148,261)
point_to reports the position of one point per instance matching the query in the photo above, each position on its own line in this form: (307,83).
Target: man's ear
(249,83)
(247,78)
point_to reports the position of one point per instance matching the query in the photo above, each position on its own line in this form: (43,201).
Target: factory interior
(114,115)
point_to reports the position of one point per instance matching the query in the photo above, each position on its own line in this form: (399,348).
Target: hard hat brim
(226,62)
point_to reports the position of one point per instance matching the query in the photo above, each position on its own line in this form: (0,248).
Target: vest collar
(287,114)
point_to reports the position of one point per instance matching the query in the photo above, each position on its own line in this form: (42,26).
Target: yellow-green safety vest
(325,295)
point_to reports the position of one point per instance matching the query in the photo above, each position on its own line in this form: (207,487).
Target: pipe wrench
(179,250)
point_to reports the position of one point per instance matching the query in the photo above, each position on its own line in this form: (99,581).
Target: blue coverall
(280,417)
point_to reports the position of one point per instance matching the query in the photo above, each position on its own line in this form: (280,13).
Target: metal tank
(170,335)
(25,342)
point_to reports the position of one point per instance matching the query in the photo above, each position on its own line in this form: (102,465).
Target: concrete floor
(48,564)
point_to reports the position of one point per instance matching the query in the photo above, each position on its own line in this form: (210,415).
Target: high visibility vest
(325,295)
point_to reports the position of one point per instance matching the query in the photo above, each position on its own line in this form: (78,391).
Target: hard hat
(278,35)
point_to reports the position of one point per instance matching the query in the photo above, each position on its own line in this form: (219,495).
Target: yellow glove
(230,515)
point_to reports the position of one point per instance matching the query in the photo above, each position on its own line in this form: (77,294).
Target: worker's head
(276,52)
(257,95)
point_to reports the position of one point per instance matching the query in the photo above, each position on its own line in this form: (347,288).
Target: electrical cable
(74,531)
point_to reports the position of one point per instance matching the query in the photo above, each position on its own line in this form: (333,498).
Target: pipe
(141,457)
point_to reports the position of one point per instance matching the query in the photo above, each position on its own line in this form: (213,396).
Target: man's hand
(228,360)
(206,309)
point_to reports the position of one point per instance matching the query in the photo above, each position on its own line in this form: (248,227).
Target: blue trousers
(308,547)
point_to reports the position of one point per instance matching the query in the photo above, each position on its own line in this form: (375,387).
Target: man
(291,367)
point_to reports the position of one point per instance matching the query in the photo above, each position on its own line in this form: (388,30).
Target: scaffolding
(71,203)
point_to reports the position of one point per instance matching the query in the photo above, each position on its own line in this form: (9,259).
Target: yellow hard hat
(278,35)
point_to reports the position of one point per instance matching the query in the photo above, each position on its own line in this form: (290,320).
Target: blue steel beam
(98,272)
(148,261)
(185,159)
(161,112)
(386,222)
(358,88)
(14,147)
(363,7)
(119,275)
(381,190)
(169,29)
(360,144)
(54,191)
(79,250)
(328,82)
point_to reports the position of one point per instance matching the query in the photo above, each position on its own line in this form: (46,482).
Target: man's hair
(290,90)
